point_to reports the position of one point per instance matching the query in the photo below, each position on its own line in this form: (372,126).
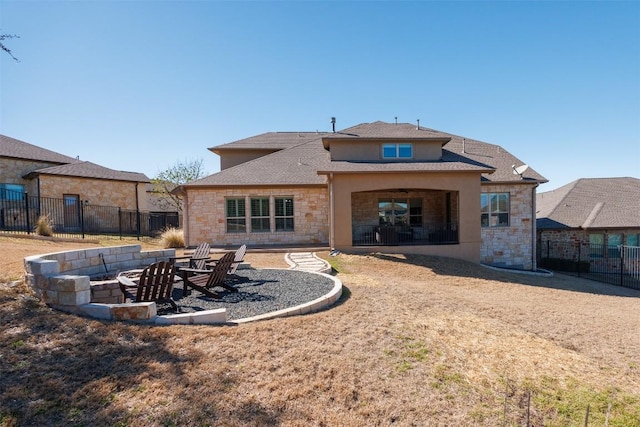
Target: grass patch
(418,341)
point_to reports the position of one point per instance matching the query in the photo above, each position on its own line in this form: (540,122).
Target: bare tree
(180,173)
(4,37)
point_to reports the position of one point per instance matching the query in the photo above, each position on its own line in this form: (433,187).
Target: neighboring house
(369,186)
(598,211)
(26,168)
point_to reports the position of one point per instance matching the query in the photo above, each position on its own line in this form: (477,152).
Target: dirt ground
(415,341)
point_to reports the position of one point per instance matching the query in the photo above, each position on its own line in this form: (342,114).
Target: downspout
(534,238)
(137,202)
(331,214)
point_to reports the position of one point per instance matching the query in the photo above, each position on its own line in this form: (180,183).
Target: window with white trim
(260,220)
(397,151)
(494,209)
(284,213)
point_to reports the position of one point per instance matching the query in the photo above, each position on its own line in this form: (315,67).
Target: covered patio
(404,217)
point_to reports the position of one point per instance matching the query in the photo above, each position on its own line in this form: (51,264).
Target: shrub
(44,226)
(172,237)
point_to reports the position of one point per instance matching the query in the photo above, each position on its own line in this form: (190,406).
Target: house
(373,186)
(600,211)
(45,174)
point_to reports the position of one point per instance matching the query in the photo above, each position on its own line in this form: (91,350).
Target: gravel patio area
(259,291)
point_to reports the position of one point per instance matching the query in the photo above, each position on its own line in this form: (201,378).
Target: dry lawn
(416,341)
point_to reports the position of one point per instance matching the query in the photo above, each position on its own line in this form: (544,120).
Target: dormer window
(397,151)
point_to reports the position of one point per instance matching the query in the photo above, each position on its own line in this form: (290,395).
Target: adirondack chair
(238,258)
(155,284)
(205,279)
(198,259)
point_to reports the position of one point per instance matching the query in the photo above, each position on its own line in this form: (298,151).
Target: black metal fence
(70,217)
(404,235)
(618,265)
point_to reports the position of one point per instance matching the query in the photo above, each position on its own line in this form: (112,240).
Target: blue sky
(140,85)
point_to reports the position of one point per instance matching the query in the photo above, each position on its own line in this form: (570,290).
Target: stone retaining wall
(62,279)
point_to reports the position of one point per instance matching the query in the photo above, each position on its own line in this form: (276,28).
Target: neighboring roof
(300,158)
(268,141)
(90,170)
(14,148)
(591,203)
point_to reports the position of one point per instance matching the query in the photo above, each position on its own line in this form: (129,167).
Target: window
(633,239)
(494,209)
(11,191)
(236,220)
(596,245)
(284,213)
(415,212)
(260,215)
(393,212)
(397,151)
(614,241)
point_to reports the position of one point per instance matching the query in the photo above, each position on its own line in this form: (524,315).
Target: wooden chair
(198,259)
(238,258)
(155,284)
(205,279)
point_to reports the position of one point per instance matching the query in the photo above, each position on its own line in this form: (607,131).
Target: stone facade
(98,192)
(206,210)
(512,246)
(13,170)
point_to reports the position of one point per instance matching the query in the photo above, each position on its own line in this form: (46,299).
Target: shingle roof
(299,163)
(91,170)
(14,148)
(383,130)
(268,141)
(591,203)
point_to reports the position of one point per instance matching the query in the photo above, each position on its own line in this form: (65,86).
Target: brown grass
(416,341)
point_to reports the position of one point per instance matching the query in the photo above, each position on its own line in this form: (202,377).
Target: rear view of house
(375,185)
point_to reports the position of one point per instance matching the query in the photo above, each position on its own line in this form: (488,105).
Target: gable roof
(591,203)
(268,141)
(16,149)
(302,156)
(90,170)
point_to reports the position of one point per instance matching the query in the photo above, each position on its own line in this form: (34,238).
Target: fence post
(82,218)
(579,256)
(621,248)
(120,222)
(138,224)
(26,206)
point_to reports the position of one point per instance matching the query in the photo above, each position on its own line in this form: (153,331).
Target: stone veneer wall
(207,217)
(13,170)
(511,246)
(96,191)
(62,279)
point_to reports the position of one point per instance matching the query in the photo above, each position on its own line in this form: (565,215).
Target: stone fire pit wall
(62,279)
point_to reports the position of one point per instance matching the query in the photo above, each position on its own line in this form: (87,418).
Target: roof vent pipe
(333,124)
(396,118)
(464,143)
(418,124)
